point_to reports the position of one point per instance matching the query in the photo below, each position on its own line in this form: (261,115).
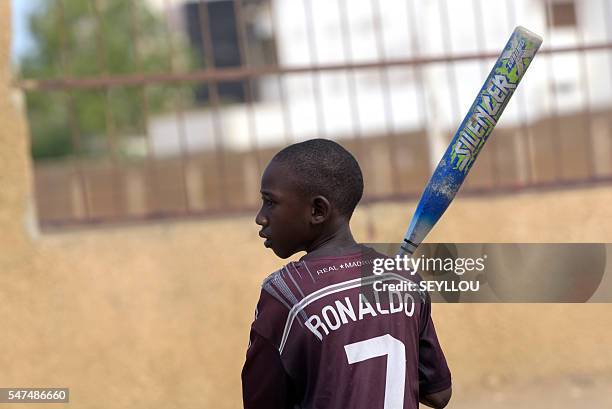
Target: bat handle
(407,248)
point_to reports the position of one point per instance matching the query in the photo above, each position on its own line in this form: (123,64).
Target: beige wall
(158,315)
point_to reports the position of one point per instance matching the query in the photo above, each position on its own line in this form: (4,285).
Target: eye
(267,202)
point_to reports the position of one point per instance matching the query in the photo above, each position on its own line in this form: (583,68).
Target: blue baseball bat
(471,135)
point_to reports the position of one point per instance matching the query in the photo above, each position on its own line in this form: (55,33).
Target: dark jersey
(324,337)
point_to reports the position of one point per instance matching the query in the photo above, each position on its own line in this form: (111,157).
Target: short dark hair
(324,167)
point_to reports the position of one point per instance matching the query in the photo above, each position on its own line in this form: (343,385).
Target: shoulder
(290,284)
(281,292)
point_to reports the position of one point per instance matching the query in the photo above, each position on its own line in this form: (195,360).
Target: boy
(317,341)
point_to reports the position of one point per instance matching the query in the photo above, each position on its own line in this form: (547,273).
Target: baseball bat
(471,135)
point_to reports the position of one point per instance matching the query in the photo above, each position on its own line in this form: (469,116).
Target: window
(561,14)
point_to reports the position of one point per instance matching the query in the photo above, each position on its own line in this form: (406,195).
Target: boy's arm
(264,381)
(434,375)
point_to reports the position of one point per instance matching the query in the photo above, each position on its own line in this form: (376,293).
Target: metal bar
(450,69)
(232,74)
(73,119)
(347,47)
(180,111)
(287,121)
(144,100)
(421,100)
(111,134)
(213,94)
(100,43)
(316,78)
(480,34)
(525,130)
(587,113)
(607,15)
(362,153)
(388,107)
(247,84)
(556,147)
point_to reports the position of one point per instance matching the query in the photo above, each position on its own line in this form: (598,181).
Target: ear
(320,209)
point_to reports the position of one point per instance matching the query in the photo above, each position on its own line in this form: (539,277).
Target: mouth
(267,242)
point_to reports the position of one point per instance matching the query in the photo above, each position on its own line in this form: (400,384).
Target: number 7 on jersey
(396,364)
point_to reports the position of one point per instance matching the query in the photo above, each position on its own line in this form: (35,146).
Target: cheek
(299,221)
(288,215)
(302,214)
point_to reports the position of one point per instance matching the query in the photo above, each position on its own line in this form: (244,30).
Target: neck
(339,241)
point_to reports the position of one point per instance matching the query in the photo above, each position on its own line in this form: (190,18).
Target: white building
(338,104)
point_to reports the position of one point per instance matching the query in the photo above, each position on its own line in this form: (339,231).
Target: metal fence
(249,94)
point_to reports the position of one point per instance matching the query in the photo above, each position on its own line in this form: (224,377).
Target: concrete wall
(158,315)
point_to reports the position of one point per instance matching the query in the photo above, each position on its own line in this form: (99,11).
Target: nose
(260,219)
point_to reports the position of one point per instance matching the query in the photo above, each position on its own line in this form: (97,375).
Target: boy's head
(309,189)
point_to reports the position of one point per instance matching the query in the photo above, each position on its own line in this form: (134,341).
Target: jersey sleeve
(265,383)
(434,375)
